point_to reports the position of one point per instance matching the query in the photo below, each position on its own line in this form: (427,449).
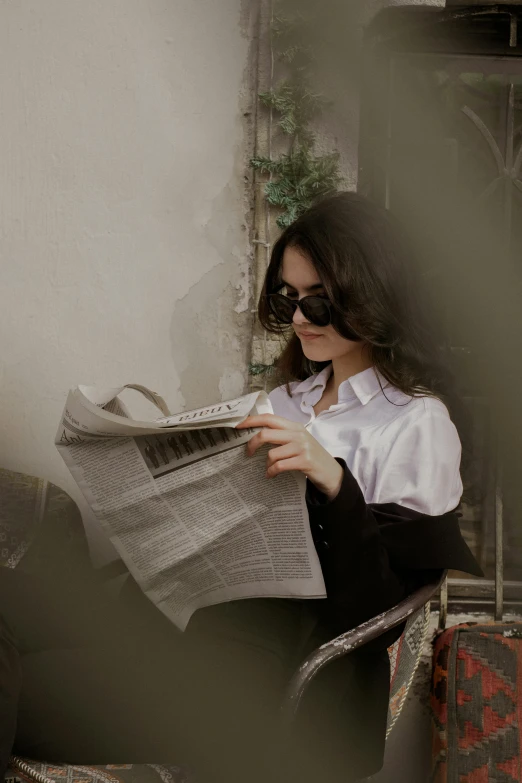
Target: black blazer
(374,555)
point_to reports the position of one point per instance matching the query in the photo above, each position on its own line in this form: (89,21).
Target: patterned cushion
(476,701)
(40,526)
(23,771)
(404,658)
(20,511)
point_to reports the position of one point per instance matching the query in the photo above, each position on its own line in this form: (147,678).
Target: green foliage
(261,369)
(298,176)
(292,27)
(301,177)
(296,106)
(300,56)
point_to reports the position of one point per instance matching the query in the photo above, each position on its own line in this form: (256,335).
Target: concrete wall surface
(124,210)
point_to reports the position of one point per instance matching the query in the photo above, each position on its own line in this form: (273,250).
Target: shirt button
(324,545)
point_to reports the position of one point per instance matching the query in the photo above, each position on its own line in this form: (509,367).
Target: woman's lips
(308,336)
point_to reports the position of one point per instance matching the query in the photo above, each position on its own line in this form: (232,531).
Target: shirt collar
(314,381)
(364,386)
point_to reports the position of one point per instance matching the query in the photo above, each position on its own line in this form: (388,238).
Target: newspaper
(194,518)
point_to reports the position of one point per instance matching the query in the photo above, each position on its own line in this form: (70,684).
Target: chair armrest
(351,640)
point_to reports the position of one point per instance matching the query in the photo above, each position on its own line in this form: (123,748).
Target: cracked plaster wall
(124,208)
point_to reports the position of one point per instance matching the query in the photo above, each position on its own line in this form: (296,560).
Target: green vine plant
(261,369)
(299,175)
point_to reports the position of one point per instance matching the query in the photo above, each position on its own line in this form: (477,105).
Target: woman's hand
(296,450)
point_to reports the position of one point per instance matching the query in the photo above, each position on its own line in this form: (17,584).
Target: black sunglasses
(316,309)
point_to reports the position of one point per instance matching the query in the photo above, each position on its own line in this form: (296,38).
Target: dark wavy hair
(372,280)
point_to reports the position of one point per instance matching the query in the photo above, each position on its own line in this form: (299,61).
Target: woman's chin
(314,353)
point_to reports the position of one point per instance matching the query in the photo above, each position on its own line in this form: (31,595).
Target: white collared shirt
(400,450)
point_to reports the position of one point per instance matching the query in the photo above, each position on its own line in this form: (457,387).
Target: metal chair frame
(352,640)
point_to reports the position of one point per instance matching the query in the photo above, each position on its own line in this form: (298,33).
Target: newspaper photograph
(194,518)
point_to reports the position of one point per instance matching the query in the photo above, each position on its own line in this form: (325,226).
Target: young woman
(363,414)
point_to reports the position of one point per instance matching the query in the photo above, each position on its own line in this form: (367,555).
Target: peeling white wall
(124,210)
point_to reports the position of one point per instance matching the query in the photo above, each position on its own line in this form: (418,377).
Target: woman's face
(319,343)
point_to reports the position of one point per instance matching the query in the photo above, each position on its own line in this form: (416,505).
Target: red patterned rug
(476,700)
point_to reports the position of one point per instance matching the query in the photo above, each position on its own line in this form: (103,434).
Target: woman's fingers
(295,449)
(270,421)
(265,436)
(281,452)
(283,465)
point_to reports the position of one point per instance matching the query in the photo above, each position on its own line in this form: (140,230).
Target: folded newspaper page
(192,516)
